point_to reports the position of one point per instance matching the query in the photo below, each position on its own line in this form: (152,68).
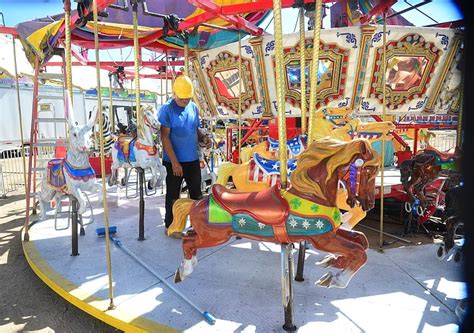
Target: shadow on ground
(26,303)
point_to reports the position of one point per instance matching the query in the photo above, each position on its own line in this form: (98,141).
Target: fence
(11,167)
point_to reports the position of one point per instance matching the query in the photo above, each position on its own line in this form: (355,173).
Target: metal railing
(11,167)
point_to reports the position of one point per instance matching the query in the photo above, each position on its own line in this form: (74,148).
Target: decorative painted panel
(332,70)
(411,62)
(223,73)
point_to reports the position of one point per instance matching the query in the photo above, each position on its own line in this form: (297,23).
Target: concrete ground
(403,289)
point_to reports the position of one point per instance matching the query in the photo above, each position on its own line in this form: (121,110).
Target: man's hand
(177,169)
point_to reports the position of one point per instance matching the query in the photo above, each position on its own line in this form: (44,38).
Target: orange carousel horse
(306,211)
(326,121)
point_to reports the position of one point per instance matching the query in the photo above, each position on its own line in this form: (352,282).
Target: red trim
(237,21)
(381,7)
(8,30)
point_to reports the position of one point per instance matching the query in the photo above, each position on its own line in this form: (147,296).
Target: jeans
(192,176)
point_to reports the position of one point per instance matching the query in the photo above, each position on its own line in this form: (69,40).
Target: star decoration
(293,223)
(305,224)
(264,161)
(261,225)
(242,221)
(275,166)
(319,224)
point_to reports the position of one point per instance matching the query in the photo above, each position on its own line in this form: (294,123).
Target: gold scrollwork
(223,73)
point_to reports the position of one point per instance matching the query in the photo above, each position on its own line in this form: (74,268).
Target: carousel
(312,132)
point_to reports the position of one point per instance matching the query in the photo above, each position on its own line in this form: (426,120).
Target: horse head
(371,131)
(321,165)
(359,176)
(150,118)
(405,170)
(79,136)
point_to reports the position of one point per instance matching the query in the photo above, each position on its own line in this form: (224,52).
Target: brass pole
(303,72)
(136,48)
(20,119)
(314,71)
(186,58)
(384,111)
(111,105)
(102,157)
(67,25)
(280,89)
(239,137)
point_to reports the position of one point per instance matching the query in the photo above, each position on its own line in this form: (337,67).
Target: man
(180,134)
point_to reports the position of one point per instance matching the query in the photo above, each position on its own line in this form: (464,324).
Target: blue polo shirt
(183,124)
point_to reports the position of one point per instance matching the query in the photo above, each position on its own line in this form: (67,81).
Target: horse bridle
(331,118)
(352,176)
(147,122)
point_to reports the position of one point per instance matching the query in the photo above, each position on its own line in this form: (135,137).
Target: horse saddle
(446,156)
(267,206)
(425,159)
(124,142)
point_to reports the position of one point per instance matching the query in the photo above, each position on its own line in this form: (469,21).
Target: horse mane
(334,153)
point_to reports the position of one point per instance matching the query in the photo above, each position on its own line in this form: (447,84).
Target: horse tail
(181,209)
(224,172)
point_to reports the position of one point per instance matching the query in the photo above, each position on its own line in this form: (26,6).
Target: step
(60,97)
(50,120)
(51,76)
(38,169)
(50,144)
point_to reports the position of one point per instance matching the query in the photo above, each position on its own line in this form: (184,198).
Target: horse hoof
(325,280)
(457,257)
(327,261)
(177,277)
(441,253)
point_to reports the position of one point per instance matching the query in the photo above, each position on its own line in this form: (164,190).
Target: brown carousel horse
(306,211)
(416,173)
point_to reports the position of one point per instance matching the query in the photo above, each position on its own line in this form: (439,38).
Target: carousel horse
(71,175)
(306,211)
(354,128)
(141,152)
(452,219)
(261,172)
(372,131)
(326,121)
(448,160)
(416,173)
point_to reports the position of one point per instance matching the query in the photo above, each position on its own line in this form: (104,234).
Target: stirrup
(81,221)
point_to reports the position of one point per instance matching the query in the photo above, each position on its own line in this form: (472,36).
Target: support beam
(236,20)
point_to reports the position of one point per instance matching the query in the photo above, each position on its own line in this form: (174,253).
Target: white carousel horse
(139,152)
(71,175)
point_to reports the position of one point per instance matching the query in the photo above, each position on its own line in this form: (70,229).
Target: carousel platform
(405,289)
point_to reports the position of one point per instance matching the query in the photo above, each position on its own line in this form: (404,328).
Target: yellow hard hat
(183,87)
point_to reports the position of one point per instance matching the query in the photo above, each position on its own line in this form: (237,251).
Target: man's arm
(168,147)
